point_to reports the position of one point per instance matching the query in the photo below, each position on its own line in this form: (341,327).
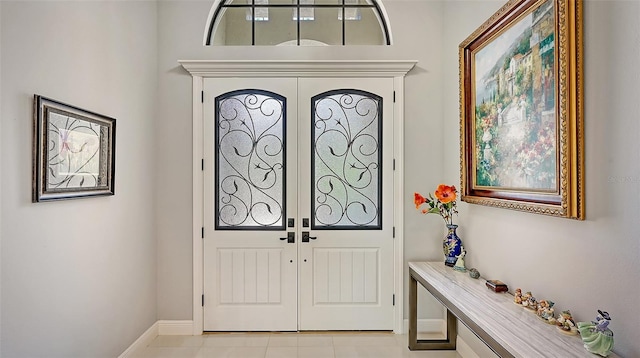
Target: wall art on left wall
(73,152)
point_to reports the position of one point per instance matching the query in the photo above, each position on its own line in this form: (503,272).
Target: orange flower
(418,199)
(445,193)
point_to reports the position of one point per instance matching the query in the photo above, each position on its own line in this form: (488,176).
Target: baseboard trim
(175,328)
(143,341)
(463,349)
(159,328)
(428,326)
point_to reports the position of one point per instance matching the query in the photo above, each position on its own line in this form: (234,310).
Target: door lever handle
(306,237)
(291,238)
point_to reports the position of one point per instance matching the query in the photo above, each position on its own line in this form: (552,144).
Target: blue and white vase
(452,246)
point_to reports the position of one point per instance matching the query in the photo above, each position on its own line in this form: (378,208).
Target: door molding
(200,69)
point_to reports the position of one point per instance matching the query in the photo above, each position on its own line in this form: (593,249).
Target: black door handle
(291,238)
(306,237)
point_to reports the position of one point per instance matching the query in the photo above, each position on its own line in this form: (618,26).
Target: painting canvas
(515,131)
(73,152)
(521,109)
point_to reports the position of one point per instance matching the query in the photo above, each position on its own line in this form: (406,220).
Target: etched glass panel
(346,160)
(250,160)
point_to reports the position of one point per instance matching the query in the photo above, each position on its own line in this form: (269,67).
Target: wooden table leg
(428,344)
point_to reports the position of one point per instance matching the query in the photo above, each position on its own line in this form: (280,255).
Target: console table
(508,329)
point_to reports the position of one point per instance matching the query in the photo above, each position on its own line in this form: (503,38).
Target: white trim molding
(303,68)
(159,328)
(175,328)
(200,69)
(464,350)
(142,342)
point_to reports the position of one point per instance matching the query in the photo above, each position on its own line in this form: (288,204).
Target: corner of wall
(143,341)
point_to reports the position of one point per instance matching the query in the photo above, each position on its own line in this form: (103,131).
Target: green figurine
(596,335)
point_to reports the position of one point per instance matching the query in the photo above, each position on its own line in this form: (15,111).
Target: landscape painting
(515,115)
(521,105)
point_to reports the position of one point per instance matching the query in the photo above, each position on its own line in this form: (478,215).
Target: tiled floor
(287,345)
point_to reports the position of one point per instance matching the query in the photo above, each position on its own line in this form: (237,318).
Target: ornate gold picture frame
(521,109)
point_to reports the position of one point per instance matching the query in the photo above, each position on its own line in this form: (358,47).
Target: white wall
(181,26)
(581,265)
(78,276)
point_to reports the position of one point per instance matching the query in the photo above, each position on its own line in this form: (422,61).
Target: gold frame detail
(565,198)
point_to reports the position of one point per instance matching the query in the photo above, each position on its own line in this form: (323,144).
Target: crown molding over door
(200,69)
(303,68)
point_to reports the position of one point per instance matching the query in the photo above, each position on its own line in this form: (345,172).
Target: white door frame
(205,68)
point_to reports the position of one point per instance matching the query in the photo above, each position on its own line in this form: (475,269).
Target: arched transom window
(297,22)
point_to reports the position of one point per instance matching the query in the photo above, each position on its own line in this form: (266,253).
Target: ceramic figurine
(517,298)
(531,304)
(596,335)
(566,324)
(474,273)
(545,311)
(525,298)
(459,266)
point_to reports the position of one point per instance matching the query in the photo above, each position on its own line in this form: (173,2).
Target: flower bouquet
(444,204)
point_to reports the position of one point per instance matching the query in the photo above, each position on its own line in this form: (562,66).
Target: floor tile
(287,345)
(430,354)
(316,352)
(364,340)
(283,340)
(368,351)
(168,352)
(315,340)
(236,340)
(282,352)
(231,352)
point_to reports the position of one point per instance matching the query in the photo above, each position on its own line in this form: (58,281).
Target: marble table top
(516,329)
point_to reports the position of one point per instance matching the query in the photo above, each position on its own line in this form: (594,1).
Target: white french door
(298,206)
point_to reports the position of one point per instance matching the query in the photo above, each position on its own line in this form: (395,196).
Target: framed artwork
(73,152)
(521,109)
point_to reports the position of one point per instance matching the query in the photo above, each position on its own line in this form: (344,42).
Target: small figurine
(525,298)
(545,311)
(517,298)
(566,324)
(474,273)
(531,304)
(596,335)
(459,266)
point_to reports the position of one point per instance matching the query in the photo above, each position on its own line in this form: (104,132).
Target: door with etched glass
(345,192)
(298,207)
(250,175)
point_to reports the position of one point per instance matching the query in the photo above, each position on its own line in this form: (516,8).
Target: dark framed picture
(73,152)
(521,109)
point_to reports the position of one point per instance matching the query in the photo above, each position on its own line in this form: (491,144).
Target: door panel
(345,276)
(346,272)
(250,275)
